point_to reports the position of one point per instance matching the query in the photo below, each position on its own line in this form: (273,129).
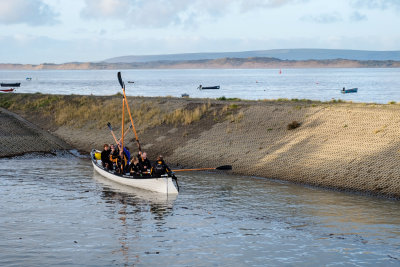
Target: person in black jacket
(144,163)
(134,168)
(105,157)
(160,168)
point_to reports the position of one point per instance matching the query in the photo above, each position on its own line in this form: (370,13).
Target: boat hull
(208,87)
(10,84)
(163,185)
(7,90)
(353,90)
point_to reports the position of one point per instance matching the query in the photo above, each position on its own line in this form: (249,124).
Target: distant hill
(282,54)
(225,63)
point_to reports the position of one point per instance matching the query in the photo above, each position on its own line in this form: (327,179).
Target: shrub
(223,98)
(293,125)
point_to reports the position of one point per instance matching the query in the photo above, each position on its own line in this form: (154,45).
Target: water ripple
(65,214)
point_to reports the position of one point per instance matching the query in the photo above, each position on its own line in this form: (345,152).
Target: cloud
(106,9)
(163,13)
(376,4)
(323,18)
(31,12)
(254,4)
(356,16)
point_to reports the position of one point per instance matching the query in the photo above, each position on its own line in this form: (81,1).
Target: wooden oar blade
(221,168)
(120,80)
(224,168)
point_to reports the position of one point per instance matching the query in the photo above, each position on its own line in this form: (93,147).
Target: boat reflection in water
(129,204)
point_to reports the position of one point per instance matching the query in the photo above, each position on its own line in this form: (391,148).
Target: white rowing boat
(163,184)
(145,195)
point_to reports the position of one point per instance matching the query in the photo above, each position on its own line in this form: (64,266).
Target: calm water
(375,85)
(56,211)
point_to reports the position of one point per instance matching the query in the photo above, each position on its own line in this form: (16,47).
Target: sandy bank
(338,145)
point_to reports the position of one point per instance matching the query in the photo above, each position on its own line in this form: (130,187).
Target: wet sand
(344,146)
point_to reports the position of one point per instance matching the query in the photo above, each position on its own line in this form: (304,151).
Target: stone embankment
(18,136)
(346,146)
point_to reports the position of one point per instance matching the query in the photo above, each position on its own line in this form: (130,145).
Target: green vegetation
(337,101)
(303,100)
(6,101)
(223,98)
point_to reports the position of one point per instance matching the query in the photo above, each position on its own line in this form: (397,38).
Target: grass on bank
(95,112)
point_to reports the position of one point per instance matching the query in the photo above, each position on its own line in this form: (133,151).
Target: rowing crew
(116,159)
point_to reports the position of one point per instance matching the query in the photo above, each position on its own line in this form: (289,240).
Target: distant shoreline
(222,63)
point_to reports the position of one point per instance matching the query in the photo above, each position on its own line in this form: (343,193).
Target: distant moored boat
(346,91)
(10,84)
(7,90)
(207,87)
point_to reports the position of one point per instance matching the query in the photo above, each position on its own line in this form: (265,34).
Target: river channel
(55,210)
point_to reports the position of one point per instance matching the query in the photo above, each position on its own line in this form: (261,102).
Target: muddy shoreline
(345,146)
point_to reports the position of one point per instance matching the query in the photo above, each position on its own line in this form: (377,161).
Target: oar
(129,111)
(221,168)
(112,132)
(123,123)
(176,181)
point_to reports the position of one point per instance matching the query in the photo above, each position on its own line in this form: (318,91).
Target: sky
(60,31)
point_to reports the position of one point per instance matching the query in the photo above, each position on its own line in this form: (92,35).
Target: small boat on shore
(346,91)
(7,90)
(208,87)
(10,84)
(163,184)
